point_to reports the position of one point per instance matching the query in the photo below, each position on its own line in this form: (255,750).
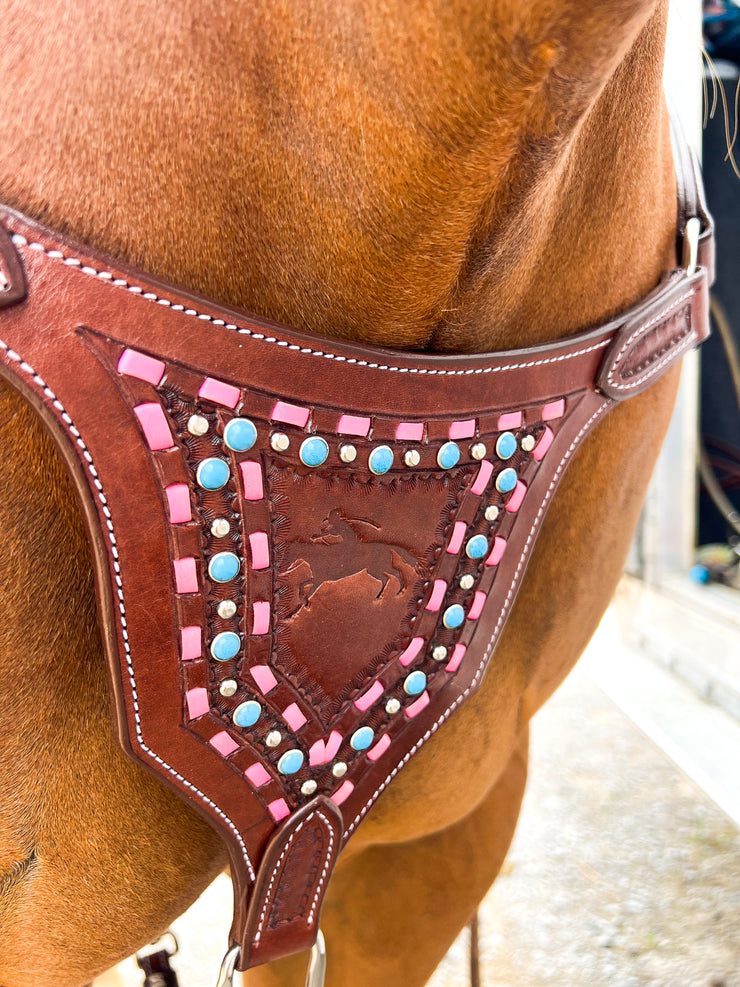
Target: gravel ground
(622,873)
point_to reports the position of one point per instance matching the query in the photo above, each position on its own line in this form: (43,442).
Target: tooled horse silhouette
(448,177)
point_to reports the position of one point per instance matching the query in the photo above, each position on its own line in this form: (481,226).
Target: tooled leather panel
(305,556)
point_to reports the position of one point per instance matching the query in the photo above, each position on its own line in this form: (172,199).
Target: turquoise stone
(506,480)
(380,460)
(314,451)
(240,434)
(361,739)
(476,547)
(225,645)
(415,683)
(506,445)
(453,616)
(223,567)
(449,455)
(247,714)
(290,762)
(212,474)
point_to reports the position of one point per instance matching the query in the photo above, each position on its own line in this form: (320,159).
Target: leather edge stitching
(605,405)
(74,431)
(20,241)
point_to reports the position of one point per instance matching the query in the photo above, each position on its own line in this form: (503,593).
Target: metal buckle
(166,943)
(690,251)
(314,976)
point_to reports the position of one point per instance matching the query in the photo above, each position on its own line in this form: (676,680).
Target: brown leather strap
(381,518)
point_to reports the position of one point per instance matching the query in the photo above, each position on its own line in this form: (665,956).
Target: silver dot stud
(197,425)
(467,581)
(439,653)
(273,738)
(412,457)
(491,513)
(392,706)
(308,787)
(220,527)
(339,770)
(478,450)
(228,687)
(226,609)
(528,443)
(279,441)
(348,453)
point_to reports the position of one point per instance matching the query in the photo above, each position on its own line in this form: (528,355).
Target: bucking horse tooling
(307,548)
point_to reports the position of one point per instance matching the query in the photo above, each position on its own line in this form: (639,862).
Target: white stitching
(20,241)
(324,871)
(641,330)
(40,383)
(453,706)
(276,868)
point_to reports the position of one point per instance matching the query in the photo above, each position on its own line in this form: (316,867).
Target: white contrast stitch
(327,861)
(640,331)
(119,592)
(502,616)
(21,241)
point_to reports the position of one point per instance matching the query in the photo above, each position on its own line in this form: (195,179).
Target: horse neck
(449,179)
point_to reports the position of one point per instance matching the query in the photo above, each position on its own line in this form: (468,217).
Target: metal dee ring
(314,976)
(228,965)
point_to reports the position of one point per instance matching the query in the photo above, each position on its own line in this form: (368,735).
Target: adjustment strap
(286,900)
(673,319)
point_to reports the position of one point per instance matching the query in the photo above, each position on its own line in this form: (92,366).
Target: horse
(447,177)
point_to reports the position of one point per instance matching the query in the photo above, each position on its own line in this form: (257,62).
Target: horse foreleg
(393,910)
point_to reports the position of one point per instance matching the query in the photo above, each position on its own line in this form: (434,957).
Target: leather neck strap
(305,550)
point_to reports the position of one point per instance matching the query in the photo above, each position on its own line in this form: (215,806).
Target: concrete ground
(622,872)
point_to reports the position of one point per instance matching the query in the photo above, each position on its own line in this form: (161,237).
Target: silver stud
(308,787)
(220,527)
(491,513)
(439,653)
(412,457)
(197,425)
(339,770)
(228,687)
(348,453)
(466,581)
(528,443)
(273,738)
(478,450)
(392,706)
(226,609)
(279,441)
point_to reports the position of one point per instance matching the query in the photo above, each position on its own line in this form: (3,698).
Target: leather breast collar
(305,550)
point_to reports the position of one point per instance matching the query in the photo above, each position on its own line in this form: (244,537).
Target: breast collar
(305,550)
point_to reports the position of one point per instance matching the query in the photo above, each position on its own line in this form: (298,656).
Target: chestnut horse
(452,176)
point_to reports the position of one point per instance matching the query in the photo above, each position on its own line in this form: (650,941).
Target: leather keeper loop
(285,905)
(647,346)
